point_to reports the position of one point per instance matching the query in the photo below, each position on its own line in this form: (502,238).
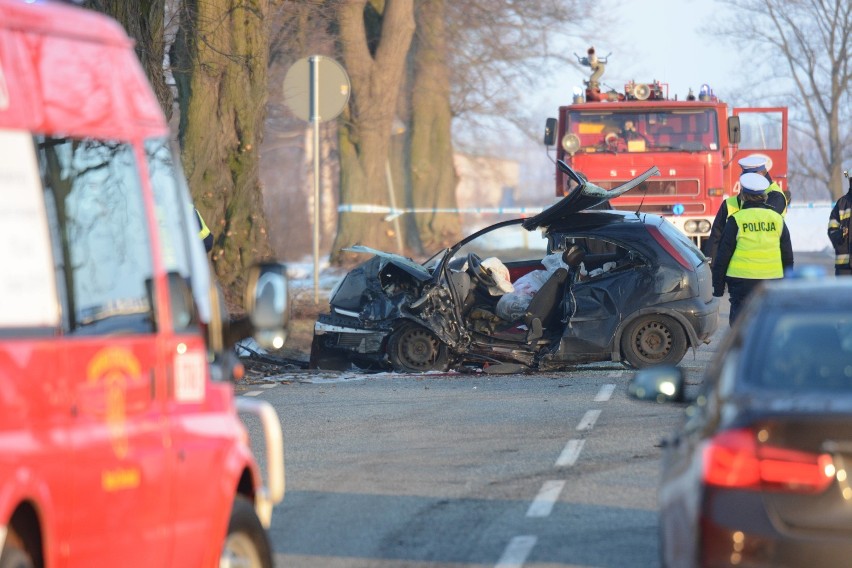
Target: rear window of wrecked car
(682,244)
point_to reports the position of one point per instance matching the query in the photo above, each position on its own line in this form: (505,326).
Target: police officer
(838,232)
(775,198)
(755,245)
(204,232)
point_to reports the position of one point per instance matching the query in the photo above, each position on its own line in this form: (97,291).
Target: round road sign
(329,79)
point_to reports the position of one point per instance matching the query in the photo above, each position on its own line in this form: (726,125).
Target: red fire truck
(696,142)
(122,443)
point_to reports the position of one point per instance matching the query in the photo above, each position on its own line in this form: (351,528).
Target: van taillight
(735,459)
(664,242)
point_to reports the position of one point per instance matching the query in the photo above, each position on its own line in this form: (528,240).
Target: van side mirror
(734,130)
(267,304)
(549,131)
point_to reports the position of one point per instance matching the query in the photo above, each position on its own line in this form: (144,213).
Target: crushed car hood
(584,195)
(416,270)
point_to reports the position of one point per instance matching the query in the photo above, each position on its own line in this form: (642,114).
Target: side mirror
(184,313)
(267,303)
(734,130)
(661,384)
(549,131)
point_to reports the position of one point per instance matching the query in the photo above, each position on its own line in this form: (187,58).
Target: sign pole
(315,120)
(315,93)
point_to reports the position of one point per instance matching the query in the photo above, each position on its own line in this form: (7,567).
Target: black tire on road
(247,544)
(415,349)
(653,340)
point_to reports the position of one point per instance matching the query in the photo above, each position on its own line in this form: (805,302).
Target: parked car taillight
(736,459)
(663,241)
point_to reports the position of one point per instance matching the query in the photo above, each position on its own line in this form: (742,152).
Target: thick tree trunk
(365,136)
(144,21)
(220,65)
(433,175)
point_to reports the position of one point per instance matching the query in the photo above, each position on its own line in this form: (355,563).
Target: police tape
(392,213)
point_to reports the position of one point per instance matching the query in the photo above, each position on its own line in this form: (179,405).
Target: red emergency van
(119,444)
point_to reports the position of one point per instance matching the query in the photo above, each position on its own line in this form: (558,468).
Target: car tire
(13,556)
(246,543)
(653,340)
(415,349)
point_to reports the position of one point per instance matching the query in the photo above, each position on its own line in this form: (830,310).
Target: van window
(27,289)
(181,250)
(97,222)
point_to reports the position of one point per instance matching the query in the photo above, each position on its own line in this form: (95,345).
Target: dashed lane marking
(605,392)
(543,503)
(589,419)
(253,393)
(570,454)
(516,552)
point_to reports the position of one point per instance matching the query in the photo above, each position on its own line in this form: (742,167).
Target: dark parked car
(757,475)
(634,289)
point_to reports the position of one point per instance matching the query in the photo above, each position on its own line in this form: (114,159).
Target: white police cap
(754,183)
(753,163)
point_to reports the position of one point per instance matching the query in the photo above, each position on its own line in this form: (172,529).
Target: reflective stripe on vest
(758,251)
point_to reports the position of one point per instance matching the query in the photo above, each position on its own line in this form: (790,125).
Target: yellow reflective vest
(204,231)
(732,204)
(758,251)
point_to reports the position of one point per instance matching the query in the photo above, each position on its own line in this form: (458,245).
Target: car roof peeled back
(583,196)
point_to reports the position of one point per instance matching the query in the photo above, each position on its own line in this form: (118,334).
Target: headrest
(574,256)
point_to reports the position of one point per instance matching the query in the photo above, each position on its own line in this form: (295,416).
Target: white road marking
(270,386)
(252,393)
(605,392)
(569,455)
(543,503)
(589,419)
(516,552)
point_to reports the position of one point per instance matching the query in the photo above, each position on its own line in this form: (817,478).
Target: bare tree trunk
(433,175)
(144,21)
(812,41)
(375,59)
(220,65)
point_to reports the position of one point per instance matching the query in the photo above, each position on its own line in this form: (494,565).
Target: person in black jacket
(755,246)
(838,232)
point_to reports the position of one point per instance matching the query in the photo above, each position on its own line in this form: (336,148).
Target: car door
(614,283)
(199,431)
(104,270)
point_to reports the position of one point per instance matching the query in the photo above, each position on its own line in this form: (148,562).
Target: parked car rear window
(807,351)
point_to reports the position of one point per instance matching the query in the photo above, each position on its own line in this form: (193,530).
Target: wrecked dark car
(573,284)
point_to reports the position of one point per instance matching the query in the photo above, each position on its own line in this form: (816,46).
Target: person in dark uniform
(755,245)
(838,232)
(775,198)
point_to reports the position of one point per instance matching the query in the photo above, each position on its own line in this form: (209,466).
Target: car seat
(542,312)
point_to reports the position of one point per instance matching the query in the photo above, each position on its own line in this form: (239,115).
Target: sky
(663,40)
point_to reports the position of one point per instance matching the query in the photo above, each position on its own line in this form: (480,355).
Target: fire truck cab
(122,443)
(696,143)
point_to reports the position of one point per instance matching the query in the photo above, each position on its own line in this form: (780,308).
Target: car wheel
(246,544)
(653,340)
(415,349)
